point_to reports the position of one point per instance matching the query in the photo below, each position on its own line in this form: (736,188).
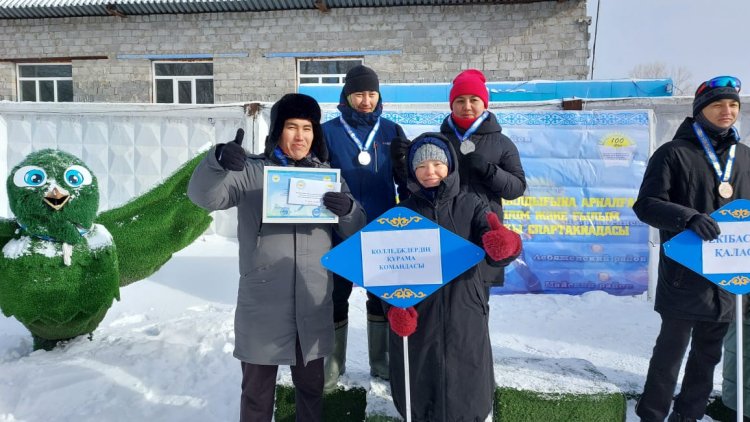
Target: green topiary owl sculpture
(61,264)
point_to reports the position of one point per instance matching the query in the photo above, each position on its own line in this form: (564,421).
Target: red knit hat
(470,82)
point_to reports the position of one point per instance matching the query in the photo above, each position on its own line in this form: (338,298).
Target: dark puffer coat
(450,356)
(679,183)
(507,181)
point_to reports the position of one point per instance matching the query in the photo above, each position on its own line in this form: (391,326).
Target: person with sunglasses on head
(701,169)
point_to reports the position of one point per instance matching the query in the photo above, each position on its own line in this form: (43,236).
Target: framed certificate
(295,194)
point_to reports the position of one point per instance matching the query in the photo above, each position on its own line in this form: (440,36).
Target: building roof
(25,9)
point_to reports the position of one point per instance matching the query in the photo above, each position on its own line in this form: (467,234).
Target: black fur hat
(296,106)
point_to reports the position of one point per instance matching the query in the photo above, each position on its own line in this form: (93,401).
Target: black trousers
(705,340)
(342,289)
(259,388)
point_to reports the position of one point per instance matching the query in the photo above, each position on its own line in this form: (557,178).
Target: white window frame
(177,79)
(36,80)
(340,76)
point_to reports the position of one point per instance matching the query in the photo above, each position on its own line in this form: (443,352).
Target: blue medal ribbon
(711,154)
(470,131)
(355,139)
(280,156)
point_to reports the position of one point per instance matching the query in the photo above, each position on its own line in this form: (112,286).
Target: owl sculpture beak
(56,198)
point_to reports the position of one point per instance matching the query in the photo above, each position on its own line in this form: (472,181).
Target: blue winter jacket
(372,185)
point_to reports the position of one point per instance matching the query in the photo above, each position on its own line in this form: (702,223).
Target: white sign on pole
(391,259)
(730,253)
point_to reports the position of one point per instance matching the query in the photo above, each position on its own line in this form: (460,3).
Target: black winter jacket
(679,183)
(507,181)
(450,356)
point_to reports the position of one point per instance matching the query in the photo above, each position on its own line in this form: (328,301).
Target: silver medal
(364,158)
(467,147)
(725,190)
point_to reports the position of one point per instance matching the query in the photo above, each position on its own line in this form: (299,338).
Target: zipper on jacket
(375,148)
(444,354)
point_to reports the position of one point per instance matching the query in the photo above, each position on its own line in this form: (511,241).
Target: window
(184,82)
(45,82)
(323,71)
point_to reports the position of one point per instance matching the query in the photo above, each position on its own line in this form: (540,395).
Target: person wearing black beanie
(281,276)
(699,171)
(361,79)
(361,143)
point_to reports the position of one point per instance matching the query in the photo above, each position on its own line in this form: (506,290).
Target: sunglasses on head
(720,82)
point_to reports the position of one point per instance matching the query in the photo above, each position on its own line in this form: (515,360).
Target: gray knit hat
(428,152)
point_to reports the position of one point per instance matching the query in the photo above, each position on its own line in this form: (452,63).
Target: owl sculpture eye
(76,176)
(30,176)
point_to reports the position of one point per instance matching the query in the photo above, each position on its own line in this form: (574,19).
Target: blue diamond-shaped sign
(402,257)
(724,261)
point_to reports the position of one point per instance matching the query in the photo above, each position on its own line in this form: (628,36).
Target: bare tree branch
(682,83)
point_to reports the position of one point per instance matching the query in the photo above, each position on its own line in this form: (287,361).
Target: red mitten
(499,242)
(403,321)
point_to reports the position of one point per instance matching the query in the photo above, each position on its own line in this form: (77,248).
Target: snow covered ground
(164,352)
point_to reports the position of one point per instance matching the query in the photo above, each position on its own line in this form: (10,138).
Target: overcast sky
(706,37)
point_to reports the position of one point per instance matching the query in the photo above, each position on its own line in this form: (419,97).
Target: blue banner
(583,170)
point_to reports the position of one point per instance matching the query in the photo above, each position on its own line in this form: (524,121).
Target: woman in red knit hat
(489,161)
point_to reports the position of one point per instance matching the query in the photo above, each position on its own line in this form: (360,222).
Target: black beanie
(710,95)
(361,78)
(296,106)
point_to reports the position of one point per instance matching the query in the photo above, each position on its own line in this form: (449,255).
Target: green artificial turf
(529,406)
(338,406)
(510,406)
(150,228)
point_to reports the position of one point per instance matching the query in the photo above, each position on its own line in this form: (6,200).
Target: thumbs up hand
(500,243)
(231,156)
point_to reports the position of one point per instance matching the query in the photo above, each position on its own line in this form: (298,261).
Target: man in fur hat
(284,303)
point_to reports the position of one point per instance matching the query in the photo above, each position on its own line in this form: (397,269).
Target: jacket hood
(296,106)
(449,186)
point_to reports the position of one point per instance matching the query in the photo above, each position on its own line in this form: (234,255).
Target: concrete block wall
(7,81)
(540,40)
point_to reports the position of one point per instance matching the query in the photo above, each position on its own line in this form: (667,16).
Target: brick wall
(541,40)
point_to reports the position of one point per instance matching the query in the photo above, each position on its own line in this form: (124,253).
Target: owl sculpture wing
(151,227)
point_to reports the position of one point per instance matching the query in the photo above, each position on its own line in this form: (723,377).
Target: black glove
(338,202)
(399,152)
(231,155)
(704,226)
(479,165)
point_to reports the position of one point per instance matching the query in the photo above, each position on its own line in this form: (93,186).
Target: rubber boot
(335,364)
(377,346)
